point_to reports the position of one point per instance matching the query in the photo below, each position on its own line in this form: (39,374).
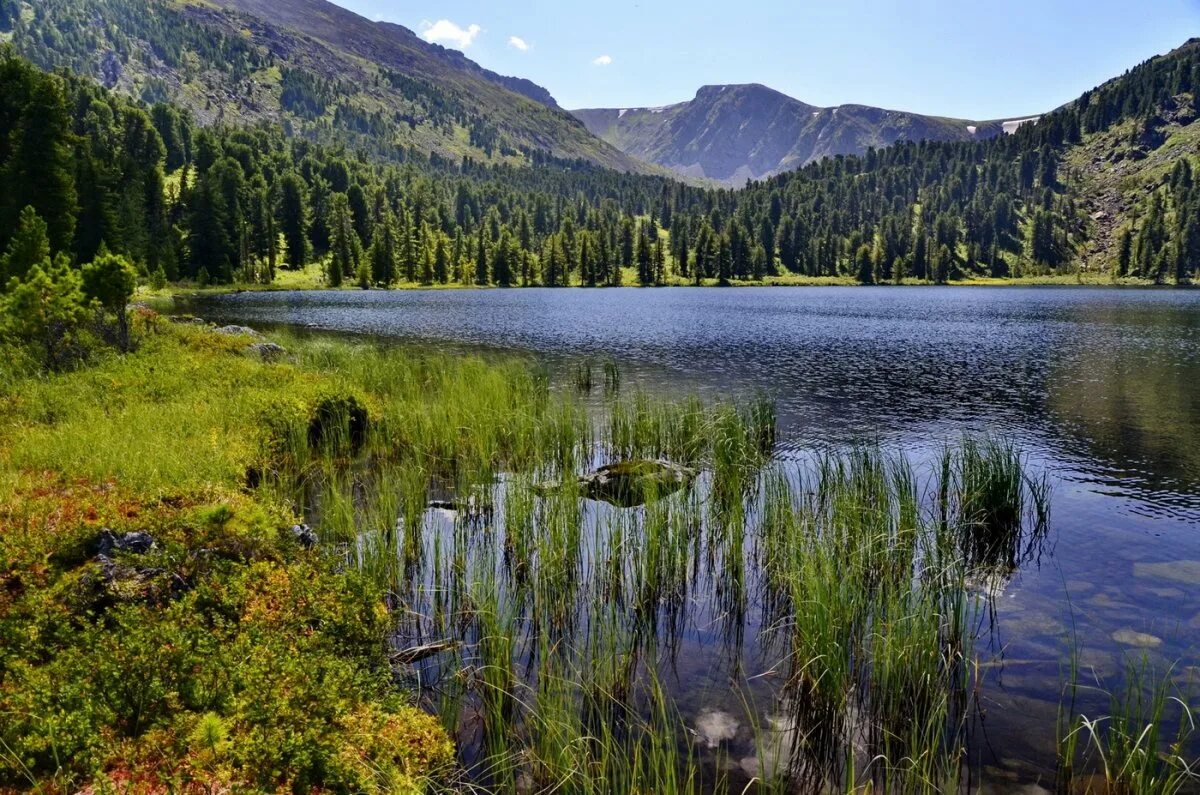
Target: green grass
(1144,744)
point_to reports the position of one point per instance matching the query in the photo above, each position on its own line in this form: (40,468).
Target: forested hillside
(320,71)
(1016,205)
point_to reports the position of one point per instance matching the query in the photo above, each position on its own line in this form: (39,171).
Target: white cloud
(603,60)
(518,43)
(446,32)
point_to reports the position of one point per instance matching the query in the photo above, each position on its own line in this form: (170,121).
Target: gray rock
(237,331)
(268,351)
(414,654)
(187,320)
(129,543)
(631,483)
(304,536)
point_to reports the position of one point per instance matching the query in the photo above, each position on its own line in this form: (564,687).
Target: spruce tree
(39,169)
(383,251)
(345,249)
(293,219)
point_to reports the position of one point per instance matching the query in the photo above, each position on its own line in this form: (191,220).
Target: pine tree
(920,256)
(864,270)
(643,256)
(47,310)
(587,267)
(627,243)
(111,280)
(28,247)
(724,261)
(942,264)
(766,239)
(1124,252)
(424,246)
(481,260)
(503,260)
(660,262)
(441,260)
(209,246)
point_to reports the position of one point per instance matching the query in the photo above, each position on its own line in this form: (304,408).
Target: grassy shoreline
(311,279)
(217,653)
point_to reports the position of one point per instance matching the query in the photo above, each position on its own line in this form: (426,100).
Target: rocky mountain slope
(738,132)
(1119,172)
(319,69)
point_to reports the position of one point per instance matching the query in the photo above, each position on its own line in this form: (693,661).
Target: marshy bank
(714,618)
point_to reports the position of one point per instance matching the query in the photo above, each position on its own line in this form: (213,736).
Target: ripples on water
(1100,387)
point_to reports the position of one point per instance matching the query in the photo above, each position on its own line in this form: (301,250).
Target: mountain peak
(731,133)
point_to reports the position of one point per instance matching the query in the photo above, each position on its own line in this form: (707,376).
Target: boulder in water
(636,482)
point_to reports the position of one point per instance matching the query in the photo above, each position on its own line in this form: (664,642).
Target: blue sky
(966,58)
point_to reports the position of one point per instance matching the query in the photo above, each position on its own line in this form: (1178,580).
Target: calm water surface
(1100,387)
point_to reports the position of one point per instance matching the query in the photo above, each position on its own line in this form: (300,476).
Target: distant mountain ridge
(386,43)
(731,133)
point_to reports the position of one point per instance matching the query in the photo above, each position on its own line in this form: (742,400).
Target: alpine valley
(314,480)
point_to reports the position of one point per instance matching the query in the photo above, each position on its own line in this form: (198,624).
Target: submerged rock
(473,507)
(1186,572)
(714,727)
(1138,640)
(631,483)
(415,654)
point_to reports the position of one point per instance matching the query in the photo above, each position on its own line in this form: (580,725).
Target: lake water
(1100,387)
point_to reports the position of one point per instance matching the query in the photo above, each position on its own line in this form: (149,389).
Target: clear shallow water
(1100,387)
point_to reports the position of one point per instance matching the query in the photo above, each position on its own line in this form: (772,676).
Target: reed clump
(1144,742)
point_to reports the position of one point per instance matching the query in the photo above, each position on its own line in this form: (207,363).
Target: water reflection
(1099,377)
